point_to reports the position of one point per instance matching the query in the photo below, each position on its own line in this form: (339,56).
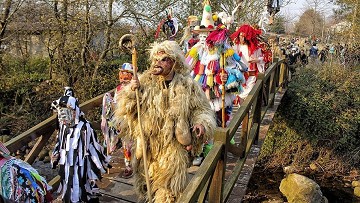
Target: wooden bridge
(224,174)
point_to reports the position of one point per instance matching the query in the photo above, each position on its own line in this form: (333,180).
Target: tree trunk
(87,38)
(109,24)
(4,21)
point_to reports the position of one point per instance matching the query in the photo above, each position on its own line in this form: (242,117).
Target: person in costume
(20,182)
(107,122)
(77,151)
(205,61)
(189,38)
(246,45)
(176,120)
(169,26)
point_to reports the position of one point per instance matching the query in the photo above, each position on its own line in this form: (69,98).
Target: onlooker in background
(303,58)
(323,55)
(293,58)
(313,52)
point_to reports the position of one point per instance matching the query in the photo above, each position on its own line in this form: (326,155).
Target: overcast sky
(297,7)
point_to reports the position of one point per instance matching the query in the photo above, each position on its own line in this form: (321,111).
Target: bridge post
(257,109)
(217,181)
(244,135)
(275,81)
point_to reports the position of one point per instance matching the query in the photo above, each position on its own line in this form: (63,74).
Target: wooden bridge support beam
(217,180)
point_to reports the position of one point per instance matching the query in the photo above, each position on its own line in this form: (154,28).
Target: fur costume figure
(173,108)
(77,151)
(20,182)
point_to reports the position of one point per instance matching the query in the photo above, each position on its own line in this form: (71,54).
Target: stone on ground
(300,189)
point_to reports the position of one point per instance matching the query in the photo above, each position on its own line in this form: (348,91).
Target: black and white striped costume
(78,153)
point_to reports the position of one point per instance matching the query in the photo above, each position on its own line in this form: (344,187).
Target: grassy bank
(318,121)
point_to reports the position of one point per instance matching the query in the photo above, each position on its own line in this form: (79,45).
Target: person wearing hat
(125,75)
(246,44)
(205,61)
(194,56)
(80,157)
(176,119)
(107,121)
(20,182)
(189,38)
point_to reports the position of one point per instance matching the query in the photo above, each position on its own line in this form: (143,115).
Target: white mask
(202,38)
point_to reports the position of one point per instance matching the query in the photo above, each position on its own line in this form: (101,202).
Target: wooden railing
(209,181)
(43,132)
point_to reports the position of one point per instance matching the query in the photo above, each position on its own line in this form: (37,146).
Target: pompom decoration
(193,52)
(207,8)
(229,52)
(215,18)
(217,38)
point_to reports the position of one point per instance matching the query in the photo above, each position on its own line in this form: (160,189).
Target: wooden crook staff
(127,42)
(222,65)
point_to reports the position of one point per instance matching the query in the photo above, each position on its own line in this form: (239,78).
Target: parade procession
(163,106)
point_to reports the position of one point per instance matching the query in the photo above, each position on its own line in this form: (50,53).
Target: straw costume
(77,151)
(169,109)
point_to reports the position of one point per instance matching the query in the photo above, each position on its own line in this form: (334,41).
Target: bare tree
(309,23)
(8,9)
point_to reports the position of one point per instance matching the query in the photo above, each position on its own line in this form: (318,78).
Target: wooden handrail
(43,131)
(253,107)
(210,175)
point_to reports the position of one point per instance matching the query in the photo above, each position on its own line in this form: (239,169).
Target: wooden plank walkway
(117,189)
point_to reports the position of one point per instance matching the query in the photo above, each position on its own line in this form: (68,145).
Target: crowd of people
(181,101)
(300,53)
(164,118)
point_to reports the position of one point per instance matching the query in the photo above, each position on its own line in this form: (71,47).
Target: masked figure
(176,119)
(107,122)
(77,151)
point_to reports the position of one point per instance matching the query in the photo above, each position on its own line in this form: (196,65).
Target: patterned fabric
(205,62)
(20,182)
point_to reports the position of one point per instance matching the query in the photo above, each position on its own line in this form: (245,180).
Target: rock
(357,191)
(300,189)
(355,183)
